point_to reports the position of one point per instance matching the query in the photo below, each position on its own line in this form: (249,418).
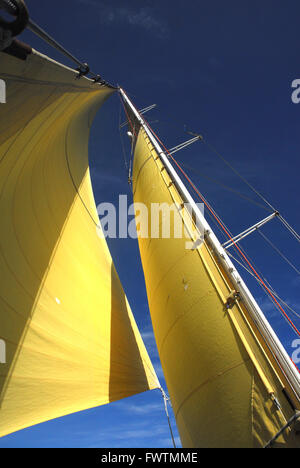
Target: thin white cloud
(142,17)
(145,409)
(167,442)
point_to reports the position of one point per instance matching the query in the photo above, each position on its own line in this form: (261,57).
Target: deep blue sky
(225,69)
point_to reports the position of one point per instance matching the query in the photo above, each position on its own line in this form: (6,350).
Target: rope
(286,426)
(166,401)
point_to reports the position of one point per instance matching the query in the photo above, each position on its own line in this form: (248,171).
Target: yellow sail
(224,387)
(70,338)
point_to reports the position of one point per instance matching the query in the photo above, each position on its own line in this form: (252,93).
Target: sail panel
(70,337)
(220,379)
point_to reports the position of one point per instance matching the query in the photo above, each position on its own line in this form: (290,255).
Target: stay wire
(213,149)
(292,231)
(278,251)
(226,187)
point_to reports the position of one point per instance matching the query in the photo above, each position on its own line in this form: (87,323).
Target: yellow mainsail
(225,389)
(70,337)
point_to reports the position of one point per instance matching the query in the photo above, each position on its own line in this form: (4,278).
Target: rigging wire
(282,219)
(213,149)
(278,251)
(226,187)
(292,231)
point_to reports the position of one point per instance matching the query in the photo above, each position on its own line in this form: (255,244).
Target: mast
(269,336)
